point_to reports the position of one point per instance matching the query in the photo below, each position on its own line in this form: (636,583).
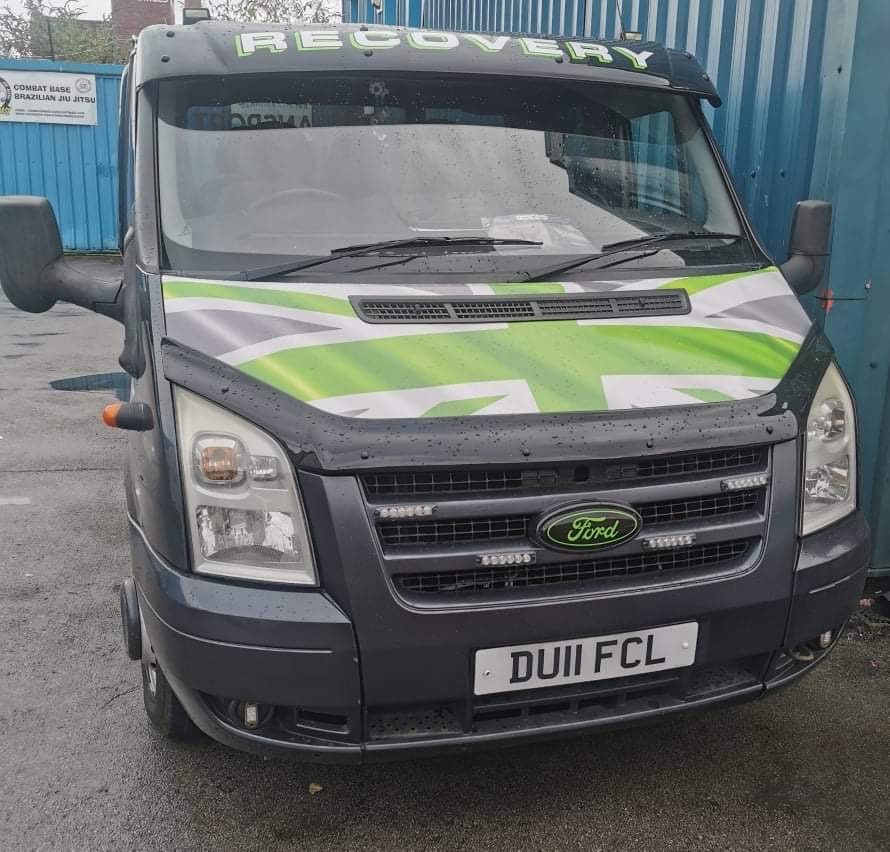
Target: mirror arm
(804,272)
(68,284)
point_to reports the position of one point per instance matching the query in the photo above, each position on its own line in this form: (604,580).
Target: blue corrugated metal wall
(852,170)
(74,166)
(764,55)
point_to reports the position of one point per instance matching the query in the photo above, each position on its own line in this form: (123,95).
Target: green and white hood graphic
(741,336)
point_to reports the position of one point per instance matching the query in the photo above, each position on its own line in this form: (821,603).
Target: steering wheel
(275,197)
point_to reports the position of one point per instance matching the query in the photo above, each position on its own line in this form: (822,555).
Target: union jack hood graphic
(305,339)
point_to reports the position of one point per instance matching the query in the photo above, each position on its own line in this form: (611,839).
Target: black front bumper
(218,643)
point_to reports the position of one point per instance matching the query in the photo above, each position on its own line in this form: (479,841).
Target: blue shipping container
(74,166)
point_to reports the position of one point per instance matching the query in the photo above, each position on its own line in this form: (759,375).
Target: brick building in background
(130,16)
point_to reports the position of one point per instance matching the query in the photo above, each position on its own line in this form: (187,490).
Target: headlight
(829,486)
(244,512)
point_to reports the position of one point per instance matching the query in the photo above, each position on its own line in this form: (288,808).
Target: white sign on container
(47,97)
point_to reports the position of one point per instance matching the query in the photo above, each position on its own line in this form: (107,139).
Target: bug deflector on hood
(737,341)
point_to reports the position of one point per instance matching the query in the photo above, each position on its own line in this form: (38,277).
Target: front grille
(697,463)
(569,306)
(407,533)
(696,508)
(419,484)
(491,579)
(571,477)
(404,533)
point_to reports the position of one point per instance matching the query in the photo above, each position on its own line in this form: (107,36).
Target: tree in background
(54,29)
(49,29)
(275,11)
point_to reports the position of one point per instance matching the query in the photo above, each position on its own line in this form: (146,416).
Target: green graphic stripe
(561,361)
(461,407)
(178,289)
(704,282)
(707,395)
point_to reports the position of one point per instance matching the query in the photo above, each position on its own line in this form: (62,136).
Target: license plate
(583,660)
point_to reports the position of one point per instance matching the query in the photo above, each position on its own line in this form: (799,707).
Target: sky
(95,9)
(92,8)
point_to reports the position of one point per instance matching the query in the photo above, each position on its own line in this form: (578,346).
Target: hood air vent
(568,306)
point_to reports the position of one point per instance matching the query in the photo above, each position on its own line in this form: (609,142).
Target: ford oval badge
(593,526)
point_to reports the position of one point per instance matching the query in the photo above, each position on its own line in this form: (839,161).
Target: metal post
(49,31)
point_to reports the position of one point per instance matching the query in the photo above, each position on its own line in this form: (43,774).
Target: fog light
(825,639)
(251,716)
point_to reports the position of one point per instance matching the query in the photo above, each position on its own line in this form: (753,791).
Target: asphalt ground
(808,768)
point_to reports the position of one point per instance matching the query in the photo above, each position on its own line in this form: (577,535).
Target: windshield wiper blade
(671,236)
(611,249)
(437,242)
(370,248)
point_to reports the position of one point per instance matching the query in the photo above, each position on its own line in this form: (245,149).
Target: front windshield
(295,166)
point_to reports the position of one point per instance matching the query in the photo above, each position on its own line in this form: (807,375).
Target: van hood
(307,340)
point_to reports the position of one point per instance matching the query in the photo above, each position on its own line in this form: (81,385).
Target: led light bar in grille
(386,513)
(526,557)
(665,542)
(739,483)
(503,577)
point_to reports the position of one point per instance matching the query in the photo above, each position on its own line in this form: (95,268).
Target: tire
(166,714)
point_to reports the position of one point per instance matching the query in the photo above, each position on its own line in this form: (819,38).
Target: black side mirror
(810,241)
(33,271)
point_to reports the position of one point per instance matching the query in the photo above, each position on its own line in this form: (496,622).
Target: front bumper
(297,651)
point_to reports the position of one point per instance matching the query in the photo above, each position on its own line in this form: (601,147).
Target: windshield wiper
(436,242)
(462,243)
(611,249)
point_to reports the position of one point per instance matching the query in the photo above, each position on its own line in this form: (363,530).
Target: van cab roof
(211,48)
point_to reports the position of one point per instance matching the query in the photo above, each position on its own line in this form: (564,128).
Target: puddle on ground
(117,383)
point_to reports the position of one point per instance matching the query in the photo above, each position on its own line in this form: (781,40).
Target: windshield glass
(295,166)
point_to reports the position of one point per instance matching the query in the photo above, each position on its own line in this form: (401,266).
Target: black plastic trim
(322,441)
(533,308)
(208,49)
